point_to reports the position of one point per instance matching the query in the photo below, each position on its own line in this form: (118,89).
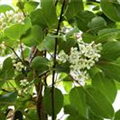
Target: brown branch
(40,108)
(54,59)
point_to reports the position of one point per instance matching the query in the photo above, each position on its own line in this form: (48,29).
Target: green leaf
(108,34)
(83,18)
(105,86)
(8,97)
(111,50)
(69,109)
(37,33)
(15,31)
(88,37)
(43,16)
(111,70)
(47,43)
(37,18)
(64,67)
(117,115)
(98,103)
(74,7)
(28,39)
(30,6)
(4,8)
(66,99)
(71,32)
(67,85)
(7,71)
(40,64)
(33,36)
(96,24)
(32,115)
(77,100)
(70,42)
(58,101)
(51,13)
(76,118)
(111,9)
(66,81)
(92,116)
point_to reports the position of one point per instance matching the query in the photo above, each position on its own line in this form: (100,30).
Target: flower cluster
(10,17)
(81,59)
(24,82)
(18,65)
(26,86)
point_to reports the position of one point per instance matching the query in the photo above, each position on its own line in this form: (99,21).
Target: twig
(56,2)
(21,50)
(54,60)
(15,53)
(33,53)
(20,7)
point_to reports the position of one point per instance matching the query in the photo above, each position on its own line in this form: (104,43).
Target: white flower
(82,48)
(82,59)
(19,66)
(24,82)
(80,76)
(80,64)
(18,18)
(74,55)
(10,17)
(9,13)
(14,61)
(63,57)
(2,16)
(78,36)
(89,63)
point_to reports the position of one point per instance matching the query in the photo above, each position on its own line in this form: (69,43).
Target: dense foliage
(60,55)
